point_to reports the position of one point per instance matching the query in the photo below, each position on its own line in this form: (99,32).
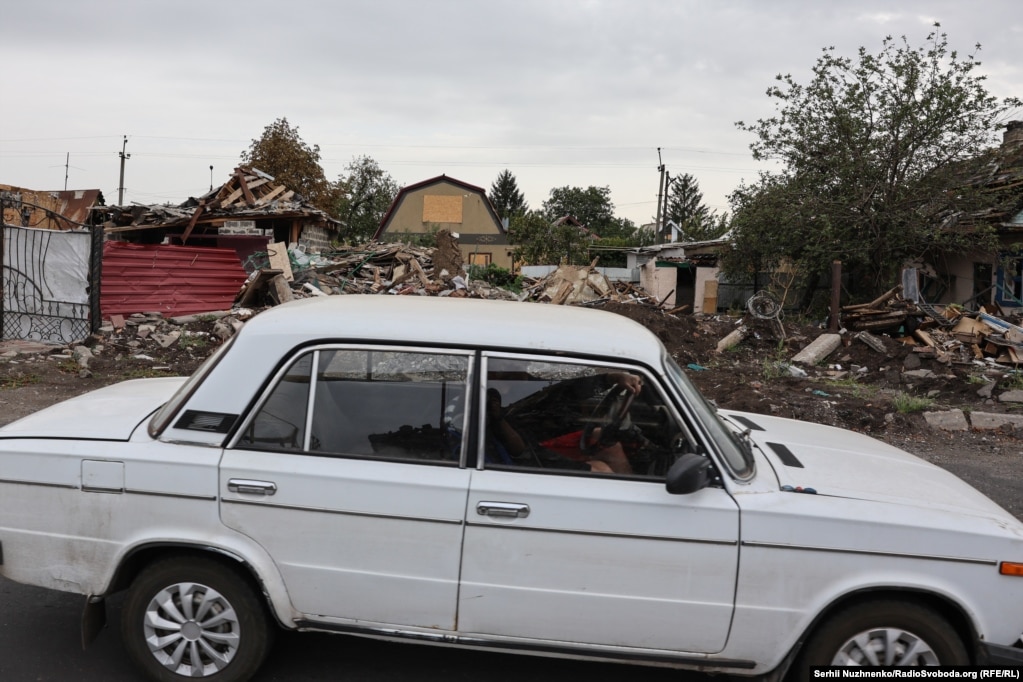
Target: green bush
(497,276)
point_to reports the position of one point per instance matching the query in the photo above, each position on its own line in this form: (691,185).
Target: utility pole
(124,157)
(664,213)
(67,166)
(211,177)
(660,190)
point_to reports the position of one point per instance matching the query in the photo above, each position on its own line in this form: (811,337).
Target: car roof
(459,321)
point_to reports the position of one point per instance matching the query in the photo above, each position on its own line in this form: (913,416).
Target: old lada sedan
(506,476)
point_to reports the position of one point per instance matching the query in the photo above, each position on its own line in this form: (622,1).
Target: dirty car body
(337,467)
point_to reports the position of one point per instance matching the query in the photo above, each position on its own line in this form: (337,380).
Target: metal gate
(50,283)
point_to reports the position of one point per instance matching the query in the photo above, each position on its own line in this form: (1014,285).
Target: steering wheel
(608,416)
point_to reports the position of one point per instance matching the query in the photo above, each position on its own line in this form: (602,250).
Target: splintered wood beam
(249,199)
(231,197)
(271,195)
(191,223)
(877,302)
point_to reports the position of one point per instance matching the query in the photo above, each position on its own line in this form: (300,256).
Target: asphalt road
(40,642)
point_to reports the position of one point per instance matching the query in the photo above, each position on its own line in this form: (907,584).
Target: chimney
(1013,136)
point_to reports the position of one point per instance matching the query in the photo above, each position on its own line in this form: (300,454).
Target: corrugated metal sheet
(173,280)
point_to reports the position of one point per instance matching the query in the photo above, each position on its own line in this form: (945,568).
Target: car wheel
(884,633)
(195,617)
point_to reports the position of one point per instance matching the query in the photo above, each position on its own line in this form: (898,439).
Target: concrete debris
(820,348)
(949,420)
(733,339)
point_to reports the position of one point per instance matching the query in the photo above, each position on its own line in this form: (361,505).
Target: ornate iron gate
(50,283)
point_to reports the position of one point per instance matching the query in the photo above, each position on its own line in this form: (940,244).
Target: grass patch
(193,340)
(1013,381)
(853,387)
(19,380)
(68,366)
(905,403)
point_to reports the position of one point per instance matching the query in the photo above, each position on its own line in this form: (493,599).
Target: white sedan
(504,476)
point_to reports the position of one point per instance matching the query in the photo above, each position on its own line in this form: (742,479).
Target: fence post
(95,276)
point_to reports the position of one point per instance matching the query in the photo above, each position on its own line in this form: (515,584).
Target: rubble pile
(946,334)
(403,269)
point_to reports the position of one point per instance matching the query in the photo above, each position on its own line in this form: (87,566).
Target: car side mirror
(688,474)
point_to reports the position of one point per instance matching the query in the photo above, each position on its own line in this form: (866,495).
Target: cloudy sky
(561,92)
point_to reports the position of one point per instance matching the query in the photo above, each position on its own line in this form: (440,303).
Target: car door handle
(249,487)
(504,509)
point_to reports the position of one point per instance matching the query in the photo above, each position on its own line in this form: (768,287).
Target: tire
(883,633)
(195,618)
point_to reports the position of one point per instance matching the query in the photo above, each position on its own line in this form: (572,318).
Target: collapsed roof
(249,194)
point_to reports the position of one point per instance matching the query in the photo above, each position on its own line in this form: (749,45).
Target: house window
(1009,285)
(483,259)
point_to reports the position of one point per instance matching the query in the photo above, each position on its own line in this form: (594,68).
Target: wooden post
(836,294)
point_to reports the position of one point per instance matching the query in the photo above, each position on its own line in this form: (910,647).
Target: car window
(736,455)
(166,413)
(366,402)
(580,417)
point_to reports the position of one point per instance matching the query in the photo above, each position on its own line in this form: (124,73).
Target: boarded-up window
(479,259)
(439,208)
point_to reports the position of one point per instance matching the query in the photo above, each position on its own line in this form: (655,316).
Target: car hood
(841,463)
(109,413)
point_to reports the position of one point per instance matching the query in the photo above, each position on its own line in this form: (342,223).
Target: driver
(505,443)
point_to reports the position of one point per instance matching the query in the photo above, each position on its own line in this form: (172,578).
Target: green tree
(685,203)
(868,150)
(506,197)
(363,193)
(538,241)
(591,206)
(282,153)
(686,208)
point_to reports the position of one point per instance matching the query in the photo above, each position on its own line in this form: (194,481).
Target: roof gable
(438,180)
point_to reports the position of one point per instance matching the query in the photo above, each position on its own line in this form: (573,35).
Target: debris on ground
(889,352)
(402,269)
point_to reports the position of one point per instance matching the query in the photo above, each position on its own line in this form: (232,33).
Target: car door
(348,473)
(556,552)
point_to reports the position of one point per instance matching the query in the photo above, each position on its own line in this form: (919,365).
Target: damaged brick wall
(314,239)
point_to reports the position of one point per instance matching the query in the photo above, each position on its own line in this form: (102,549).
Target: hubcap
(191,629)
(885,647)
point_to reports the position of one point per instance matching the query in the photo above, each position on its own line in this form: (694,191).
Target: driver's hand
(630,382)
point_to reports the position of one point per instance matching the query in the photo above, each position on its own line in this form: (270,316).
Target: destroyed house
(48,210)
(247,213)
(995,180)
(425,208)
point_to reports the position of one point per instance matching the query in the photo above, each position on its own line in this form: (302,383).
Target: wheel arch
(142,556)
(951,611)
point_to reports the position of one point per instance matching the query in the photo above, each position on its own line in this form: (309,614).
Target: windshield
(737,455)
(160,420)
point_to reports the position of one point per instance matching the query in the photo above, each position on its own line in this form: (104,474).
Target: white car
(505,476)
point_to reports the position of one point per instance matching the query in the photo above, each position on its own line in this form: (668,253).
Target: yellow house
(458,207)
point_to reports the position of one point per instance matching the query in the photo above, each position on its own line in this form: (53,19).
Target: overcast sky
(561,92)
